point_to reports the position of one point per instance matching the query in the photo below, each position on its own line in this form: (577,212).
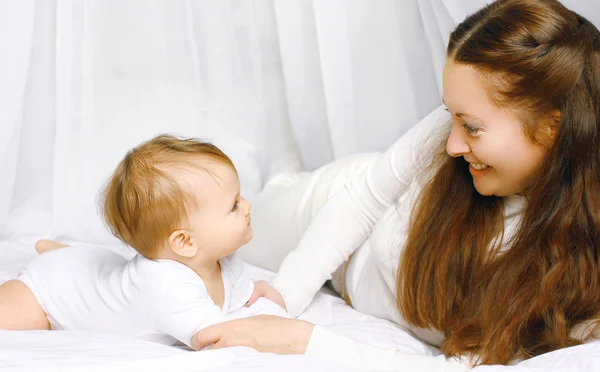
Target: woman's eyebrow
(464,114)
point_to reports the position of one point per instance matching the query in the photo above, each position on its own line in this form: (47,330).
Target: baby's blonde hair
(142,202)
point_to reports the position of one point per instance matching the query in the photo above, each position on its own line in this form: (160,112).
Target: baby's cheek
(248,234)
(239,233)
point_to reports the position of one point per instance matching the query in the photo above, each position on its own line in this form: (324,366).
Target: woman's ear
(554,122)
(182,244)
(548,127)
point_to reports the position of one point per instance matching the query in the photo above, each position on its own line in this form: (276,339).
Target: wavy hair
(535,57)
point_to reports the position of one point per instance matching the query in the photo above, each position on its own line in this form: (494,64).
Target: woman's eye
(470,129)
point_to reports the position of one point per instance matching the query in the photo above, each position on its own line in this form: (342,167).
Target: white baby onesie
(93,289)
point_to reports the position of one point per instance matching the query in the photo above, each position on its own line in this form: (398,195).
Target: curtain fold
(279,85)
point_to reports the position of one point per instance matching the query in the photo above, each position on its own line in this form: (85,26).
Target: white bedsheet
(77,351)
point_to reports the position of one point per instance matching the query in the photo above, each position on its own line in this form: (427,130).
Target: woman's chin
(484,189)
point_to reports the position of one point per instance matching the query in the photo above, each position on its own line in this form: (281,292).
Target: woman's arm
(277,335)
(346,220)
(340,349)
(265,333)
(182,310)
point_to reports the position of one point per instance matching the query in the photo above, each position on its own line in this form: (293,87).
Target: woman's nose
(456,145)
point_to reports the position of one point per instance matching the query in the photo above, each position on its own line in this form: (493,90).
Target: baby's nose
(247,207)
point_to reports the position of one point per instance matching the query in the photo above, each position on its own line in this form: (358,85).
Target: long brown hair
(536,57)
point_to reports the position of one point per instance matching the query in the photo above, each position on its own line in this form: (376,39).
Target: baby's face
(220,223)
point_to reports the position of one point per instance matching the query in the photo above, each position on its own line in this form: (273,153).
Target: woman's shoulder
(426,136)
(414,155)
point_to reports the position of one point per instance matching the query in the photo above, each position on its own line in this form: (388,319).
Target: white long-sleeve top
(333,347)
(370,217)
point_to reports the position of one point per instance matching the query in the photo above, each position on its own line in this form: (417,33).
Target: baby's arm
(183,310)
(248,292)
(184,307)
(264,289)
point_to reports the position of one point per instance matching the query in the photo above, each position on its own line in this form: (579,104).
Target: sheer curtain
(280,85)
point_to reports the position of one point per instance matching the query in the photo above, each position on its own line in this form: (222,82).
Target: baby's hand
(264,289)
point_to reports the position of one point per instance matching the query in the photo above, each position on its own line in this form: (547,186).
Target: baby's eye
(235,207)
(472,130)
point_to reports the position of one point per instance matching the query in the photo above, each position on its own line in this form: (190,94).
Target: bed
(76,351)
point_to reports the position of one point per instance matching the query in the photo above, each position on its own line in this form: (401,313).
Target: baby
(177,203)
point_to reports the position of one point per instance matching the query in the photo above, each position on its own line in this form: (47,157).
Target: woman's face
(502,159)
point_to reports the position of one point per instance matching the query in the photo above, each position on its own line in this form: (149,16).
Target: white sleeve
(346,220)
(336,348)
(183,310)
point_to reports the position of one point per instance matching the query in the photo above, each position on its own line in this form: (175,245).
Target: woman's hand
(265,333)
(264,289)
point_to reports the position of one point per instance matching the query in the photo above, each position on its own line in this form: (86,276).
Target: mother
(486,242)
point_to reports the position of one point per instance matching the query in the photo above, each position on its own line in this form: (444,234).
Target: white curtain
(280,85)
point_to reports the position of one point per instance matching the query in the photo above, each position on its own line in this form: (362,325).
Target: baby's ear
(182,244)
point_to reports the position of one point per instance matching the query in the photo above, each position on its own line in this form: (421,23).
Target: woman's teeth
(479,166)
